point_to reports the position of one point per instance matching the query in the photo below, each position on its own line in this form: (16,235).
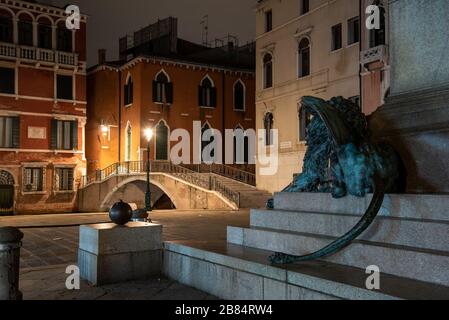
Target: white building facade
(304,48)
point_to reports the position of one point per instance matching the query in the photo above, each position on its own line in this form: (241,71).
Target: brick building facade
(164,87)
(42,108)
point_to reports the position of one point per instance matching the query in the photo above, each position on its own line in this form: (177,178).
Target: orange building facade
(163,94)
(42,108)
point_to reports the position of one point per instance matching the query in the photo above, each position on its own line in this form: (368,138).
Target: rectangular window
(163,92)
(353,30)
(64,87)
(7,80)
(25,33)
(305,6)
(268,21)
(64,179)
(6,128)
(336,37)
(33,179)
(64,135)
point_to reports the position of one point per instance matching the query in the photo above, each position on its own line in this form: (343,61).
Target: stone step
(405,232)
(416,206)
(233,272)
(408,262)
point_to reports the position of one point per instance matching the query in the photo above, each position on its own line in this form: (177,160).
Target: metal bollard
(10,243)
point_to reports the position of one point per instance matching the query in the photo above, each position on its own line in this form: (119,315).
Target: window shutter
(200,97)
(70,179)
(131,92)
(75,134)
(155,99)
(213,97)
(54,134)
(16,133)
(126,101)
(169,92)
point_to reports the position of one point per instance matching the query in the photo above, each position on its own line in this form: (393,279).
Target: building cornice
(173,62)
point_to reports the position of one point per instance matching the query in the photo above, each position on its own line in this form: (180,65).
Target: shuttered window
(64,87)
(207,94)
(7,80)
(239,96)
(64,135)
(162,89)
(64,179)
(9,132)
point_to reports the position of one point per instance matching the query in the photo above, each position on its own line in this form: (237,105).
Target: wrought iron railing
(225,171)
(181,172)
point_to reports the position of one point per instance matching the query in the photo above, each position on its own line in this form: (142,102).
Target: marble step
(408,262)
(424,234)
(411,206)
(235,272)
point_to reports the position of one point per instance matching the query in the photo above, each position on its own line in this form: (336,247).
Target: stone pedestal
(110,254)
(415,118)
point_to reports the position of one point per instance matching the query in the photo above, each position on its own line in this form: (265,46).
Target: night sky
(111,19)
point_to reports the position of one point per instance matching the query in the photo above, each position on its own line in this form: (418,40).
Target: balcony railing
(9,50)
(378,53)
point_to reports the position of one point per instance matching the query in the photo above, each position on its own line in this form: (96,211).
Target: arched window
(25,27)
(6,27)
(304,58)
(239,96)
(162,145)
(378,36)
(238,134)
(204,144)
(129,91)
(304,120)
(44,33)
(268,126)
(64,38)
(267,71)
(128,142)
(162,88)
(207,93)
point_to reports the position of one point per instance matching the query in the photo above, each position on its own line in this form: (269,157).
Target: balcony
(375,54)
(33,54)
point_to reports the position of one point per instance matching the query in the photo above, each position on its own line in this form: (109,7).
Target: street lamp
(148,135)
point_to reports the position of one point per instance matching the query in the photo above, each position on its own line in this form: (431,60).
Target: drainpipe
(223,92)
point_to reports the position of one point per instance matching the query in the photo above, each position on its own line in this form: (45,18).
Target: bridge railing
(181,172)
(225,171)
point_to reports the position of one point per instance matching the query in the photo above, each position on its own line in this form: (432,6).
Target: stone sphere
(121,213)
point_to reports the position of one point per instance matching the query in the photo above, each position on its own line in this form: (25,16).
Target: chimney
(101,56)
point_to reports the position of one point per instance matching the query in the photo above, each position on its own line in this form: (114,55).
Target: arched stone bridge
(185,188)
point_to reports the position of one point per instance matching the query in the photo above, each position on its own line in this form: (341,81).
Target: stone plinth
(415,118)
(110,254)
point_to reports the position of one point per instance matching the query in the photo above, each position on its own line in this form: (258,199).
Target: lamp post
(148,135)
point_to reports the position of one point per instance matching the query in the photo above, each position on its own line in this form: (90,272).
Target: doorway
(6,193)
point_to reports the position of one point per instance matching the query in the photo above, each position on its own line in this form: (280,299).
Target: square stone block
(110,254)
(100,270)
(109,238)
